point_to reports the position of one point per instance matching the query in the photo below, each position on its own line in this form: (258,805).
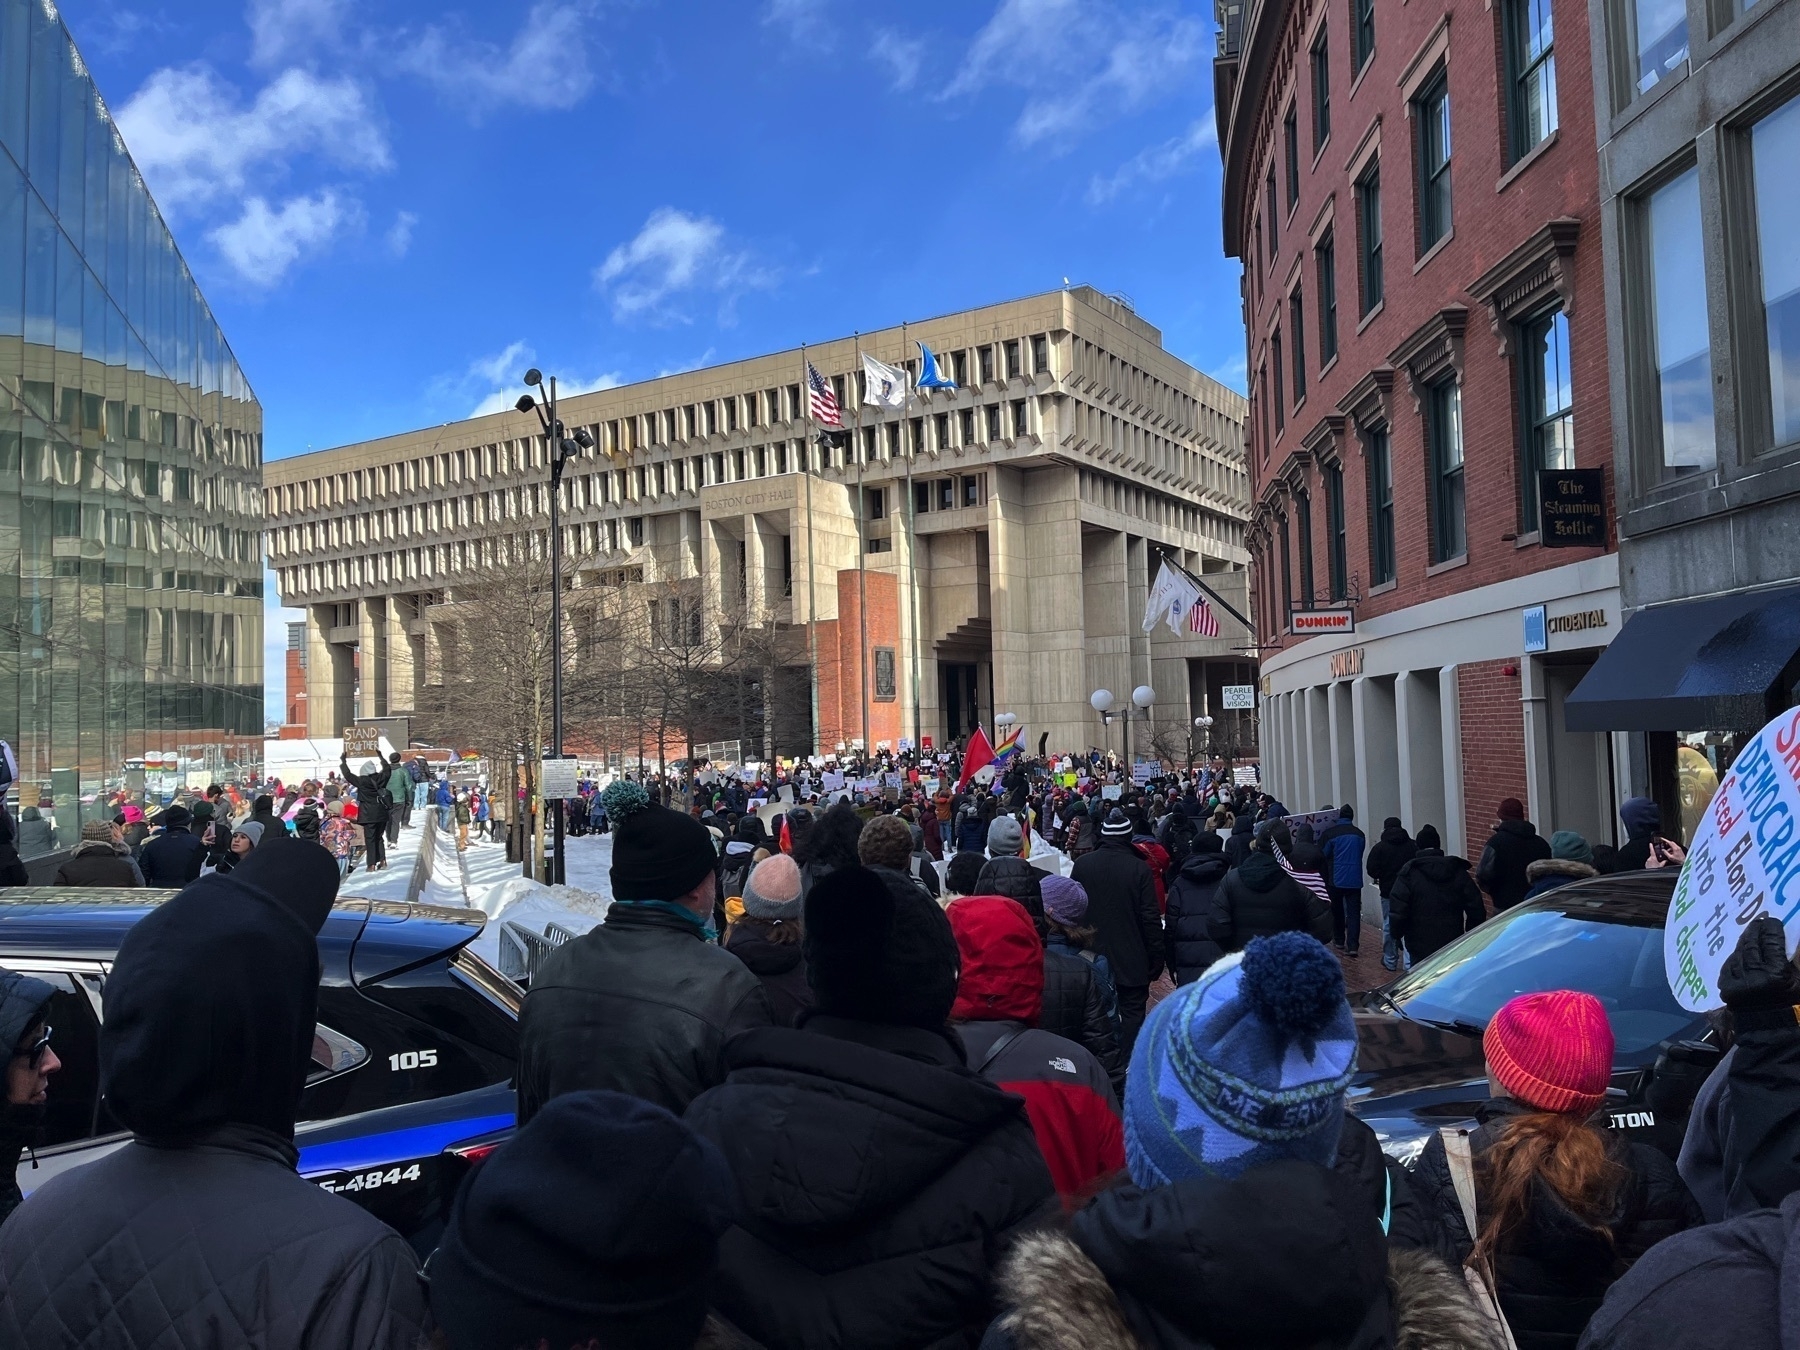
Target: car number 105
(368,1181)
(413,1059)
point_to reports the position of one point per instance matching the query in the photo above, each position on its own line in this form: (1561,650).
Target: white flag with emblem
(1172,595)
(884,386)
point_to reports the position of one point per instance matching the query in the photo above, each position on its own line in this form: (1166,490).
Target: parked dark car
(1419,1060)
(412,1059)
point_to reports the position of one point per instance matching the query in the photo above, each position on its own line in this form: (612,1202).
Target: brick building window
(1449,530)
(1274,217)
(1297,335)
(1325,259)
(1378,456)
(1336,534)
(1368,230)
(1531,69)
(1321,91)
(1280,393)
(1546,405)
(1431,115)
(1290,135)
(1303,528)
(1362,33)
(1287,572)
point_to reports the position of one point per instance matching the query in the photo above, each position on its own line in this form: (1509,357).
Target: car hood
(1395,1054)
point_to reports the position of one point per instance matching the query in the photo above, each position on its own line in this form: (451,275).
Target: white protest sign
(1744,861)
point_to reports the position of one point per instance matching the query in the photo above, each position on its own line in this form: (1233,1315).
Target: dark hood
(1289,1254)
(1641,817)
(211,1006)
(1261,873)
(837,1124)
(22,1000)
(1437,866)
(1523,828)
(1243,824)
(1014,878)
(1205,868)
(1396,835)
(760,954)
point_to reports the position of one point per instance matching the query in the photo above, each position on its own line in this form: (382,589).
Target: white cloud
(287,30)
(804,21)
(902,56)
(263,243)
(399,235)
(675,253)
(197,145)
(1079,61)
(1158,162)
(545,66)
(1233,373)
(501,373)
(683,367)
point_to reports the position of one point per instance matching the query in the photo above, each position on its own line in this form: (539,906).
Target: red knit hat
(1552,1050)
(1511,808)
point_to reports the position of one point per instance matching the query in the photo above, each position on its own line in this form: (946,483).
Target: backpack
(1179,833)
(733,877)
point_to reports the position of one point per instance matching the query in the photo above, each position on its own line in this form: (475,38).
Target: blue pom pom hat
(1246,1065)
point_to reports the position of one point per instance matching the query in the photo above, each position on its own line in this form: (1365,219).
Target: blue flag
(930,377)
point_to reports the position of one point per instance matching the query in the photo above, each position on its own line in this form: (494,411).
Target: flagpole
(912,544)
(812,608)
(1224,604)
(862,543)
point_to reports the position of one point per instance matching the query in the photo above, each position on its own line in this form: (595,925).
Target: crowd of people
(859,1072)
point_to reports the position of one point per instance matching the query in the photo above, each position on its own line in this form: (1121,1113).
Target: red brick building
(1414,195)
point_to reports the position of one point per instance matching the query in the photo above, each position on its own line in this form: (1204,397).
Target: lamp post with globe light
(1143,698)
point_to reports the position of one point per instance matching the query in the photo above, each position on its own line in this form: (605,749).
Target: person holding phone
(1646,846)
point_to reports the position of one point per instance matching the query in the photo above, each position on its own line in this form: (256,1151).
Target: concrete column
(1105,605)
(402,691)
(1539,775)
(1455,831)
(1318,749)
(1293,728)
(1343,744)
(1419,726)
(756,566)
(329,675)
(371,658)
(1377,768)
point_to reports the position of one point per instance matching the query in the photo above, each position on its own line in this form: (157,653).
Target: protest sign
(1743,861)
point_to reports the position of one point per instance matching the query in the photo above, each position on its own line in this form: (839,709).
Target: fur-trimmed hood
(1056,1296)
(1559,867)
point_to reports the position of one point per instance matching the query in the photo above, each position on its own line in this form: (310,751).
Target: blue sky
(394,207)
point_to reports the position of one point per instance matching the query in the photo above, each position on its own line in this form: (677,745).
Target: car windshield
(1615,956)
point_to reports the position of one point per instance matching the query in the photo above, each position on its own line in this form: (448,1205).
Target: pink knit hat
(1552,1050)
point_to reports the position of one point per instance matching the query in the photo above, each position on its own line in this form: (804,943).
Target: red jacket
(1158,858)
(1068,1097)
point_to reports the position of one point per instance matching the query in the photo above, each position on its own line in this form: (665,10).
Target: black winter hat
(1428,837)
(598,1222)
(1117,825)
(877,954)
(658,854)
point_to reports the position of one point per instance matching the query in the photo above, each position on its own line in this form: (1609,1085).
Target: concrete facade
(1007,531)
(1418,217)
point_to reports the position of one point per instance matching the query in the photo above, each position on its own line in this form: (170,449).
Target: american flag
(1202,620)
(1311,880)
(821,403)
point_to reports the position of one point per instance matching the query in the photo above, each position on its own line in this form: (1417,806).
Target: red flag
(976,758)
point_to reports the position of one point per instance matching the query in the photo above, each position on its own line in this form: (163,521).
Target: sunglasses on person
(36,1051)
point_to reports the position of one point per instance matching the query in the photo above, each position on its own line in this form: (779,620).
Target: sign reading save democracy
(1744,861)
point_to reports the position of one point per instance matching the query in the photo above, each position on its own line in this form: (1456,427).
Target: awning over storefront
(1695,666)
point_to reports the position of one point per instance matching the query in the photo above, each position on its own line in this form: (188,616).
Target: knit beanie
(99,831)
(1570,847)
(251,830)
(1117,825)
(885,841)
(1246,1065)
(658,854)
(875,955)
(1511,808)
(1428,837)
(1065,900)
(1005,838)
(598,1222)
(773,889)
(1552,1050)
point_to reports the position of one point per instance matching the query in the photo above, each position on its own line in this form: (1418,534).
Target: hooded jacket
(1728,1284)
(1511,849)
(199,1233)
(1075,1005)
(643,1005)
(1642,819)
(173,858)
(1434,901)
(1122,909)
(23,1003)
(1259,899)
(781,966)
(95,862)
(1554,1269)
(880,1181)
(1068,1096)
(1343,846)
(1193,900)
(1289,1254)
(1546,874)
(1243,835)
(1387,855)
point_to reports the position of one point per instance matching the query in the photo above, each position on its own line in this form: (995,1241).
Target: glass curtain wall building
(130,469)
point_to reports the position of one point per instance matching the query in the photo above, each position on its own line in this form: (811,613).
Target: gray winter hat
(772,890)
(1005,838)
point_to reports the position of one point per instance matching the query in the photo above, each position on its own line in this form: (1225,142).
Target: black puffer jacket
(1258,900)
(1434,902)
(781,966)
(1555,1270)
(1387,855)
(640,1005)
(1243,835)
(23,1003)
(1193,900)
(172,859)
(1289,1254)
(1511,849)
(879,1183)
(1074,1004)
(1122,909)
